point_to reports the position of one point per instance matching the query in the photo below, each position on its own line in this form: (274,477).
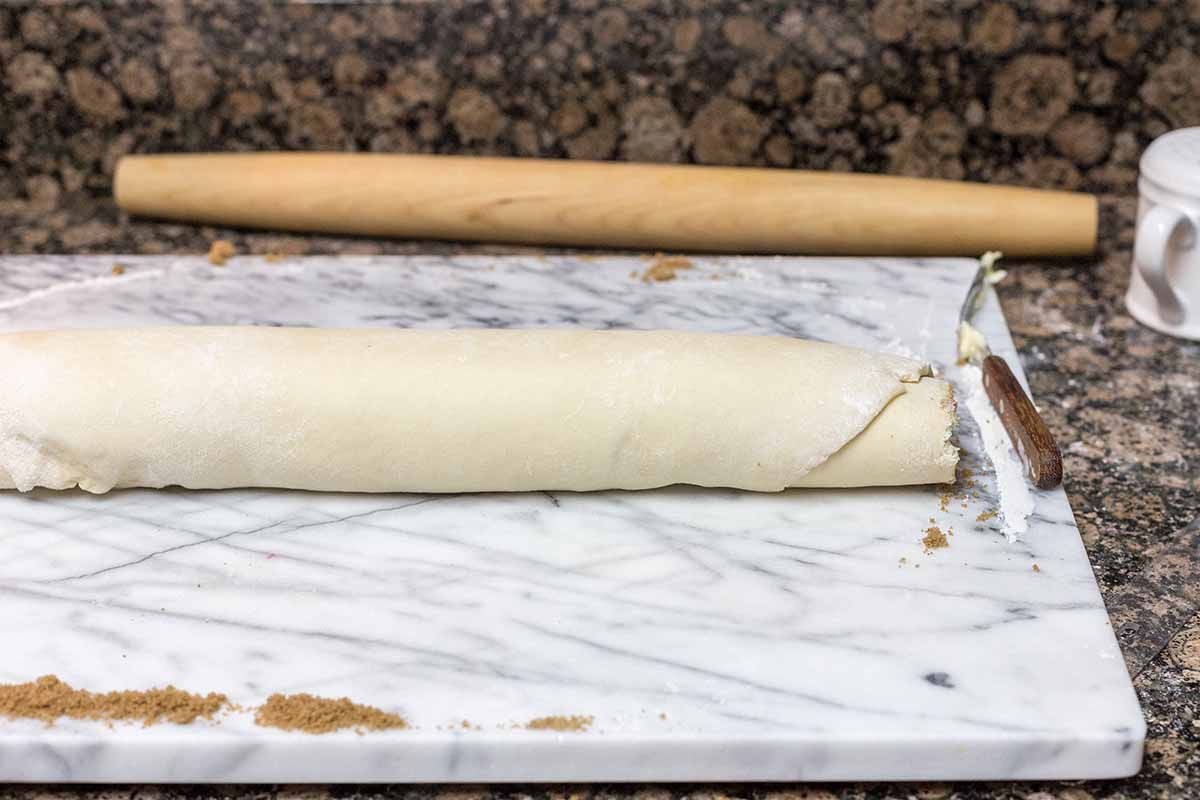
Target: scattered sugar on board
(48,698)
(1015,496)
(221,251)
(311,714)
(934,539)
(665,268)
(574,723)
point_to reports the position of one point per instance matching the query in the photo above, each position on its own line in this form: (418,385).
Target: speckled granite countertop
(1042,93)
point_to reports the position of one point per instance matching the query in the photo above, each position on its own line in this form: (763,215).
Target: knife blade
(1028,431)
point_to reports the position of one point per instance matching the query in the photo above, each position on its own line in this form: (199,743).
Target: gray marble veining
(711,634)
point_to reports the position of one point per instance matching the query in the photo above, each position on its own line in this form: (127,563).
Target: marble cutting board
(710,634)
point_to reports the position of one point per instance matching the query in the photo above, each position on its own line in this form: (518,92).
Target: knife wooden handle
(606,204)
(1024,424)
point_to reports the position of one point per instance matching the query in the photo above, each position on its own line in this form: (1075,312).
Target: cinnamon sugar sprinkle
(959,491)
(221,251)
(312,714)
(574,723)
(664,268)
(48,699)
(934,539)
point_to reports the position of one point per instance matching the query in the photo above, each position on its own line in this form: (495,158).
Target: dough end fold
(908,442)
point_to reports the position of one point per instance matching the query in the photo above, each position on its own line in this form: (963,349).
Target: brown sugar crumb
(48,699)
(220,252)
(633,273)
(960,491)
(986,515)
(662,715)
(934,539)
(311,714)
(664,268)
(118,269)
(273,257)
(574,723)
(903,560)
(1036,568)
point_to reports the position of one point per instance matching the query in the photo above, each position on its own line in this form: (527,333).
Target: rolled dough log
(383,410)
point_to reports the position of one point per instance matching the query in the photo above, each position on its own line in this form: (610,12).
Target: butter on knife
(1025,426)
(972,347)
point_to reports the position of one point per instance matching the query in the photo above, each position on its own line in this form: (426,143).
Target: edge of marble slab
(557,758)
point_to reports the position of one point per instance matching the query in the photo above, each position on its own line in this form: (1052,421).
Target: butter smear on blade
(1014,495)
(971,344)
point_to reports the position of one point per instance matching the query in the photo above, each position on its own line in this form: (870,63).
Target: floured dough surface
(385,410)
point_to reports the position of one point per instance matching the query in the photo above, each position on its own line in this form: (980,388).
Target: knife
(1026,428)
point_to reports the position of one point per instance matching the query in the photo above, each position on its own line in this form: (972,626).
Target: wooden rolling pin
(640,206)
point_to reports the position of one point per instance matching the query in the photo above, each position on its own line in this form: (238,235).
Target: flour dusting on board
(1014,494)
(897,347)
